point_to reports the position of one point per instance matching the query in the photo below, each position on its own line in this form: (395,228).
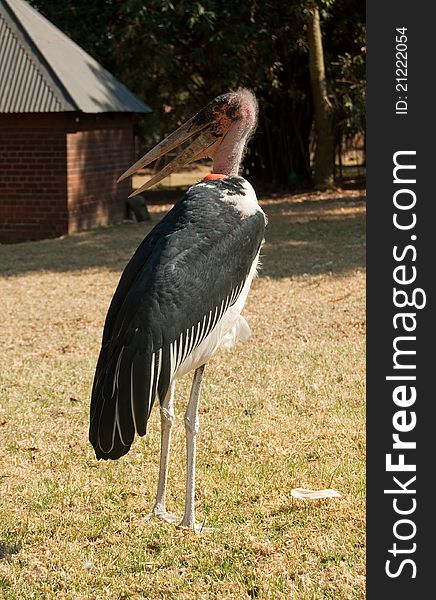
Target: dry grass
(284,410)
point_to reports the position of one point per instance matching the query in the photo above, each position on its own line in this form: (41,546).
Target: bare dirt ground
(284,410)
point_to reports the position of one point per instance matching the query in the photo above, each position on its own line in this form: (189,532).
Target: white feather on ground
(304,494)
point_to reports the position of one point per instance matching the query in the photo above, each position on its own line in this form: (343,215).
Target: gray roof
(43,70)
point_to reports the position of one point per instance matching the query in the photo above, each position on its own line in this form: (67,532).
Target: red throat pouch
(213,176)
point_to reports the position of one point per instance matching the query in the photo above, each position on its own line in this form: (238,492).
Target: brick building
(65,131)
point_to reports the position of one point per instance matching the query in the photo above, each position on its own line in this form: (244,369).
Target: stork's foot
(195,527)
(160,513)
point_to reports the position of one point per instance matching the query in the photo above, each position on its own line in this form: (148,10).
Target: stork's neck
(230,153)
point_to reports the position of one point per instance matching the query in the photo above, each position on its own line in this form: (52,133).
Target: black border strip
(401,523)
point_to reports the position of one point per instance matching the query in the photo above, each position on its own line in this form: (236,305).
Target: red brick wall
(33,200)
(99,149)
(58,173)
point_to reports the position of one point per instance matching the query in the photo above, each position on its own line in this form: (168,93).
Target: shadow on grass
(7,550)
(314,237)
(308,233)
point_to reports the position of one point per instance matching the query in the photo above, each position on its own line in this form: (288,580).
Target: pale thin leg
(191,426)
(167,420)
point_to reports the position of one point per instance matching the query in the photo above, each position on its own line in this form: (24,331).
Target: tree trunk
(325,150)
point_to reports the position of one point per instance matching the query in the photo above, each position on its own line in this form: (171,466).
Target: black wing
(184,275)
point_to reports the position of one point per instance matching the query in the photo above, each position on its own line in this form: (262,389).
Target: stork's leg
(167,420)
(191,426)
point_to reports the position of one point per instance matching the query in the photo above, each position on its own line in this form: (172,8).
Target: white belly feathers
(230,328)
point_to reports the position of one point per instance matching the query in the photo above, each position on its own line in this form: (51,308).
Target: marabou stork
(181,295)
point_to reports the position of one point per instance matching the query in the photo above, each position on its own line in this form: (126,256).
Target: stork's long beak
(210,125)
